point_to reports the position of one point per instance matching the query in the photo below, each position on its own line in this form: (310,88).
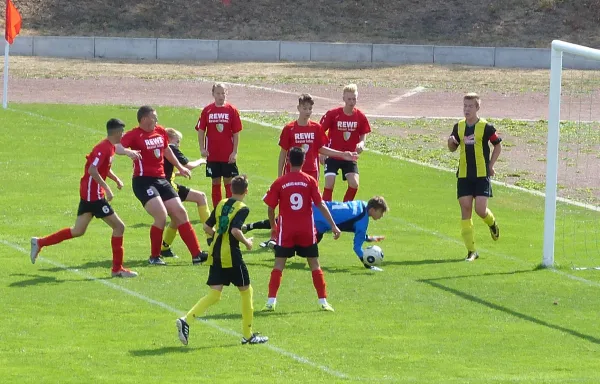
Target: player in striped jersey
(95,195)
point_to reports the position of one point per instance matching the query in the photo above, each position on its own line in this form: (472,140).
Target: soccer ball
(373,255)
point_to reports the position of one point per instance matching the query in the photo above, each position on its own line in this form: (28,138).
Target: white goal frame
(556,68)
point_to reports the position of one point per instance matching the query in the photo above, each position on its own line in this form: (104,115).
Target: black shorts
(332,166)
(182,191)
(287,252)
(215,169)
(238,276)
(146,188)
(480,186)
(98,208)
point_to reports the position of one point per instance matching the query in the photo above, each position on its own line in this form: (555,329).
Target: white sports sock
(271,300)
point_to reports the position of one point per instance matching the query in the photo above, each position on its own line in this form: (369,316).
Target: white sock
(271,300)
(322,301)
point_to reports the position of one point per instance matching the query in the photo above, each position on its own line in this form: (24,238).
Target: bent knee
(77,232)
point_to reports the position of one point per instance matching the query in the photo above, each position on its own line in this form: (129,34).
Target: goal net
(572,206)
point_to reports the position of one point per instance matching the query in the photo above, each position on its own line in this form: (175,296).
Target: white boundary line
(396,99)
(268,89)
(178,312)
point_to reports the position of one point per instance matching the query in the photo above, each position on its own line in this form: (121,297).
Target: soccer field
(428,318)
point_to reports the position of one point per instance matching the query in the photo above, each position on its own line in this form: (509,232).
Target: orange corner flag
(13,22)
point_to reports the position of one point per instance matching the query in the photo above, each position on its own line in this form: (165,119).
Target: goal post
(552,152)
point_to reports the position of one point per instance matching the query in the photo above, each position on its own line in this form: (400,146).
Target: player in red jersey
(219,129)
(95,195)
(152,189)
(309,136)
(346,128)
(295,193)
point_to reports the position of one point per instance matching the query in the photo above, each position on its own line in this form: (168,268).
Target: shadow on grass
(177,349)
(257,313)
(37,280)
(422,262)
(467,296)
(132,264)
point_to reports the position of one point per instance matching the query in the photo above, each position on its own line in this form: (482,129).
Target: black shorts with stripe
(216,169)
(476,186)
(146,188)
(238,276)
(99,208)
(332,166)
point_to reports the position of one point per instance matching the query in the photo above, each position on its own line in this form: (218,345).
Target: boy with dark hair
(95,196)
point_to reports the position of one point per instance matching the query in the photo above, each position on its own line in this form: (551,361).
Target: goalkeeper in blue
(349,216)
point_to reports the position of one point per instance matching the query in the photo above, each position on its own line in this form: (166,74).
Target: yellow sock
(467,234)
(247,312)
(204,213)
(168,238)
(489,218)
(202,305)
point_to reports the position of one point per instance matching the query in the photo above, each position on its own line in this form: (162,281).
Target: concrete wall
(274,51)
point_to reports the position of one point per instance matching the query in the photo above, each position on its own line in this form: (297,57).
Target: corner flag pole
(5,83)
(11,30)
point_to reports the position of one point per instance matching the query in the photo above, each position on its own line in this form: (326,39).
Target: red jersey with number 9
(294,193)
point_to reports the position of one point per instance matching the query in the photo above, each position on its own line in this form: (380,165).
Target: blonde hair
(351,88)
(218,85)
(473,96)
(173,133)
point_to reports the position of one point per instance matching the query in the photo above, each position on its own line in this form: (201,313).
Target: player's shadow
(259,313)
(497,307)
(37,280)
(140,225)
(107,264)
(176,349)
(408,263)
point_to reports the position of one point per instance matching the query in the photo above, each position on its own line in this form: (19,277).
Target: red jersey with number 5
(294,193)
(344,131)
(101,157)
(219,123)
(152,148)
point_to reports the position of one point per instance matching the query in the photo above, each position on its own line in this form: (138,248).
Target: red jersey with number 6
(101,157)
(294,193)
(219,123)
(152,148)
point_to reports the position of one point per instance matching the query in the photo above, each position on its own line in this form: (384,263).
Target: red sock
(216,194)
(327,194)
(188,235)
(56,237)
(319,283)
(116,244)
(275,282)
(228,190)
(156,235)
(350,193)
